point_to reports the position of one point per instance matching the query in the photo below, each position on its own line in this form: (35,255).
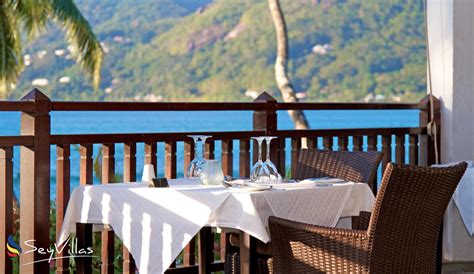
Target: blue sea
(179,121)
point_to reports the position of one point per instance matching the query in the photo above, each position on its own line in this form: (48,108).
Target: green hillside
(196,50)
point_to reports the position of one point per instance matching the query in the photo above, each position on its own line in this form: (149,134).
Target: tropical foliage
(23,20)
(196,50)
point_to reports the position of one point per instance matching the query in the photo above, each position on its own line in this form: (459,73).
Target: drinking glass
(203,139)
(258,168)
(211,173)
(270,167)
(194,166)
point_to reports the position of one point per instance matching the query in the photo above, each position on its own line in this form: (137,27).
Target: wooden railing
(36,140)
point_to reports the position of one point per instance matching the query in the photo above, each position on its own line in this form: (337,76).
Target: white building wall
(451,41)
(462,145)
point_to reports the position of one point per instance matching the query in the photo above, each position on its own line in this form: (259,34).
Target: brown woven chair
(356,166)
(401,237)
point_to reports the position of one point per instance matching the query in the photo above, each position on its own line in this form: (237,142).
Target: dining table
(156,223)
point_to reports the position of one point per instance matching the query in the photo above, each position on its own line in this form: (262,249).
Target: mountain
(344,50)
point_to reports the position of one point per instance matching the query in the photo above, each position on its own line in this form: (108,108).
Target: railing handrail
(97,138)
(158,106)
(62,139)
(310,133)
(17,140)
(29,106)
(348,106)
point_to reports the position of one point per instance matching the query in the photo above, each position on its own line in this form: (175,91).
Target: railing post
(427,143)
(190,250)
(107,234)
(129,175)
(63,180)
(6,202)
(35,183)
(266,120)
(84,231)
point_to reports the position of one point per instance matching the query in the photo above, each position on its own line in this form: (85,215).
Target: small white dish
(249,187)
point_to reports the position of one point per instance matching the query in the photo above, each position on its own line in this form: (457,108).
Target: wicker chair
(401,236)
(357,166)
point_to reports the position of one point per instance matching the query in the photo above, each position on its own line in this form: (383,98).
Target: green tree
(22,20)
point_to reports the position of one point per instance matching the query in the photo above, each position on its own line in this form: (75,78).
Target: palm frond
(79,34)
(11,61)
(34,15)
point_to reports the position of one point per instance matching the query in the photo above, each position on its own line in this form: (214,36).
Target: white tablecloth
(155,224)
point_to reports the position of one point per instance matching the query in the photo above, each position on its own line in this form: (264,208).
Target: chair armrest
(299,247)
(364,218)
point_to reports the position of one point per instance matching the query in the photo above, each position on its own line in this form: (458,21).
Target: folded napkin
(185,182)
(464,196)
(323,180)
(177,183)
(238,182)
(310,182)
(251,187)
(241,185)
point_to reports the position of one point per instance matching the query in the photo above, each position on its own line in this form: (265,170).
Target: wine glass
(258,168)
(270,167)
(194,166)
(203,139)
(203,161)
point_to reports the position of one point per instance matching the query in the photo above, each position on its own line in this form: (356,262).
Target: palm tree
(281,75)
(22,20)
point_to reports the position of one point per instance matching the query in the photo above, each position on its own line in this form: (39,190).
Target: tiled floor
(458,267)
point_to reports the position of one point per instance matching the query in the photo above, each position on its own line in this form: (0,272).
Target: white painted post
(451,38)
(451,41)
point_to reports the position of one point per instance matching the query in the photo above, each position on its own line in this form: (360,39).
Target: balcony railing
(409,144)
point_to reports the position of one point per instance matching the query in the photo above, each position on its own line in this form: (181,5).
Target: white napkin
(238,182)
(323,180)
(464,199)
(464,196)
(185,182)
(312,182)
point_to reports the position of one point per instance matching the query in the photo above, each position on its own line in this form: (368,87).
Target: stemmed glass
(203,139)
(258,169)
(270,167)
(264,172)
(194,166)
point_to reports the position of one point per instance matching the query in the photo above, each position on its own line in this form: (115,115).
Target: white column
(451,41)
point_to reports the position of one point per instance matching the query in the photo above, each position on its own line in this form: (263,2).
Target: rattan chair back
(407,216)
(401,237)
(356,166)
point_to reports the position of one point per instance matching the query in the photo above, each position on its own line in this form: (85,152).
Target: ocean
(180,121)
